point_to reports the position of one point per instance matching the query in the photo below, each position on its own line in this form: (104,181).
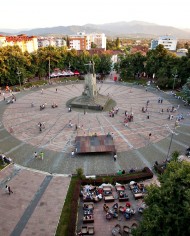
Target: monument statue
(90,97)
(90,88)
(91,67)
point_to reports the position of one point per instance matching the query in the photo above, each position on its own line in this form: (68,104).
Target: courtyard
(37,182)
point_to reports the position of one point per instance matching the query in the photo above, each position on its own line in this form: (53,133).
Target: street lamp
(175,77)
(19,73)
(49,70)
(172,134)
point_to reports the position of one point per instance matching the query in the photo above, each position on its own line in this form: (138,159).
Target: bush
(80,173)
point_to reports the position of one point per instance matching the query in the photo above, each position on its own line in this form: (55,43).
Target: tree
(93,45)
(168,211)
(186,90)
(117,43)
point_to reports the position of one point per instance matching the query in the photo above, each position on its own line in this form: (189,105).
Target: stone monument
(90,97)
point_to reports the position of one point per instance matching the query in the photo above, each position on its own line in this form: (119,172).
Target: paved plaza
(40,186)
(20,136)
(35,206)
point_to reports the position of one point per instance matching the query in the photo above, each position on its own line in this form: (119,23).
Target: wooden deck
(93,144)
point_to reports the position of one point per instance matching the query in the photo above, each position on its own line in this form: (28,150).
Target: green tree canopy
(168,211)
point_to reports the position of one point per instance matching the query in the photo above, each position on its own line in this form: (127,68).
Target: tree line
(17,67)
(159,64)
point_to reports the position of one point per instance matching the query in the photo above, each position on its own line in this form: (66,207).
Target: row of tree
(159,64)
(16,67)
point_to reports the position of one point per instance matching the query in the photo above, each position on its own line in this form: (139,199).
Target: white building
(99,40)
(51,41)
(169,42)
(83,41)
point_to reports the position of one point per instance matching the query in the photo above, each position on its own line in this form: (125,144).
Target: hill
(117,29)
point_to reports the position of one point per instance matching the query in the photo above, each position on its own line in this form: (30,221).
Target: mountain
(117,29)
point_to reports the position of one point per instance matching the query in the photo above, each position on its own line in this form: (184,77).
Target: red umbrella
(128,204)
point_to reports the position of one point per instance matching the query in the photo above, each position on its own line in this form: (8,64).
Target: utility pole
(49,71)
(172,134)
(175,77)
(19,73)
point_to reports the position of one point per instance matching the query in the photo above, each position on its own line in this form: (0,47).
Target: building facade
(169,42)
(80,41)
(83,41)
(51,41)
(26,43)
(99,40)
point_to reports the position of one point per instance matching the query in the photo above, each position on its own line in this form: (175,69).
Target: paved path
(133,145)
(35,206)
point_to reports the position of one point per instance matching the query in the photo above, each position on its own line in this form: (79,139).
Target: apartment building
(83,41)
(51,41)
(169,42)
(26,43)
(99,40)
(80,41)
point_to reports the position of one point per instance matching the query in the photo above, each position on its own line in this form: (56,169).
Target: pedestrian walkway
(36,203)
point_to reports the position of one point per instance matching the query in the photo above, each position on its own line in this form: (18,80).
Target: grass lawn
(64,221)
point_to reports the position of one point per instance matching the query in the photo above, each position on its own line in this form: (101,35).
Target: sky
(29,14)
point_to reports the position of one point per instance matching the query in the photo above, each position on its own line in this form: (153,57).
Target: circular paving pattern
(21,121)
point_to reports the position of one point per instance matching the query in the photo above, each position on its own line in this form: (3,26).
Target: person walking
(115,156)
(8,190)
(41,155)
(35,155)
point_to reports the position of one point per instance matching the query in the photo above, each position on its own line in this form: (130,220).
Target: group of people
(11,100)
(5,160)
(54,105)
(39,156)
(42,106)
(113,111)
(128,117)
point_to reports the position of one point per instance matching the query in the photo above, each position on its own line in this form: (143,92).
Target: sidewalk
(35,206)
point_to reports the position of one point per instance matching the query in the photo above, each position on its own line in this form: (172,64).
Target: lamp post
(175,77)
(172,134)
(19,73)
(49,70)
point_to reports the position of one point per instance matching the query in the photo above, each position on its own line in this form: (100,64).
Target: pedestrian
(76,127)
(56,90)
(35,154)
(115,156)
(9,190)
(150,135)
(41,155)
(42,91)
(148,116)
(6,189)
(72,154)
(40,126)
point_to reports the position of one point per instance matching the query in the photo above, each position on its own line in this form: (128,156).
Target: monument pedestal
(90,98)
